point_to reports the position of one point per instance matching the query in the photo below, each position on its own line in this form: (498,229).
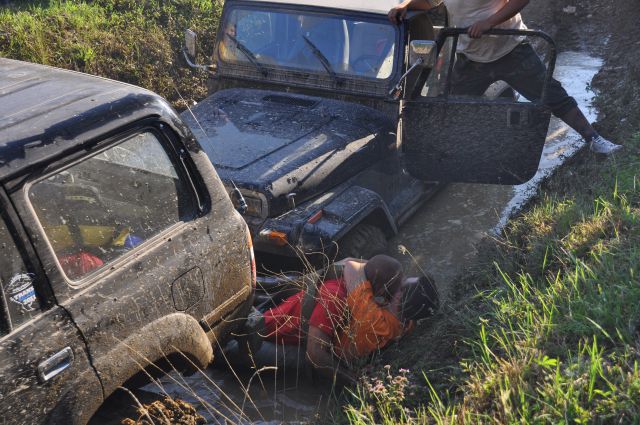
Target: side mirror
(190,48)
(190,42)
(422,52)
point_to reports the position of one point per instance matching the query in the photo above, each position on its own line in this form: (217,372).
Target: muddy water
(441,238)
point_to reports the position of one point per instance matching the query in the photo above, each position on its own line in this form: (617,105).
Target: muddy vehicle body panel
(140,254)
(309,137)
(473,139)
(350,53)
(33,345)
(296,155)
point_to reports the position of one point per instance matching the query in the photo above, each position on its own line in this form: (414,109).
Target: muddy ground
(607,29)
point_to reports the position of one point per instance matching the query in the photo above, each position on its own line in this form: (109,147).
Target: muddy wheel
(363,241)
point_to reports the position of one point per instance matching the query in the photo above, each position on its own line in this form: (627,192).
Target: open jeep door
(450,138)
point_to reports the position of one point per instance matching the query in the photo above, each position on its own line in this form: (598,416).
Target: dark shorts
(522,69)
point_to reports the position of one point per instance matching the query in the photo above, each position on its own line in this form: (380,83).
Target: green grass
(546,328)
(138,42)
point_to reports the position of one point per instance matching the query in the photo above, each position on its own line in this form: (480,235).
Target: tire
(363,241)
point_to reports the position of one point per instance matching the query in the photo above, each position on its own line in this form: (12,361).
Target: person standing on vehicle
(484,60)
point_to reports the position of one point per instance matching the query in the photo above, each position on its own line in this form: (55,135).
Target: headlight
(254,205)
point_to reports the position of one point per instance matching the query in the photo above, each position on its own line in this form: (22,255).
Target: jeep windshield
(310,42)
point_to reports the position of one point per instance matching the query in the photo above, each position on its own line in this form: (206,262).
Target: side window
(95,211)
(18,293)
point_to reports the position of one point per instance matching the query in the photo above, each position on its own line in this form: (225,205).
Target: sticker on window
(21,291)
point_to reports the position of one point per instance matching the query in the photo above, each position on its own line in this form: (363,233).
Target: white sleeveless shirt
(488,48)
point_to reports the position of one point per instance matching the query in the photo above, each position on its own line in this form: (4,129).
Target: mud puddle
(222,396)
(441,238)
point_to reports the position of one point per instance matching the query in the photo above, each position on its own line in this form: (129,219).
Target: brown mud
(166,412)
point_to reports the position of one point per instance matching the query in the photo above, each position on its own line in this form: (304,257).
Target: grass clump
(139,42)
(545,330)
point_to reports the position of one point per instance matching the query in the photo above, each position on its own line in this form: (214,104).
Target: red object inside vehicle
(77,265)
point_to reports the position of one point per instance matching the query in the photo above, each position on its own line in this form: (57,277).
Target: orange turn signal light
(315,217)
(279,238)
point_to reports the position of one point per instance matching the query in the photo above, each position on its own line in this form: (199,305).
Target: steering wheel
(366,64)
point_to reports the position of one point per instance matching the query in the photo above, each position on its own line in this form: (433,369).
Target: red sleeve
(328,313)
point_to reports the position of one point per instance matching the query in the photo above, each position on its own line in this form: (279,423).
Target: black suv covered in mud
(298,121)
(119,246)
(307,100)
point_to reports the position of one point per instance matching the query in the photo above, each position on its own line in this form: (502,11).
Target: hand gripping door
(475,140)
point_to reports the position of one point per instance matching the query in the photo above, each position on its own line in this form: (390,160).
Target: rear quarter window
(107,205)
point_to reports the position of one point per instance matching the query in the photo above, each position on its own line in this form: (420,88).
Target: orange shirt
(371,326)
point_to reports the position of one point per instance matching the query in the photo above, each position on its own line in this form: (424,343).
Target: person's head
(419,298)
(230,29)
(385,275)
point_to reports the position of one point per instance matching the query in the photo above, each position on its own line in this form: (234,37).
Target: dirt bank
(604,29)
(607,29)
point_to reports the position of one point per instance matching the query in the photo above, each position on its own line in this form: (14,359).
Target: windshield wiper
(249,54)
(322,58)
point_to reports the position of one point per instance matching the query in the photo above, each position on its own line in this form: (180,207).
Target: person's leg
(525,72)
(469,78)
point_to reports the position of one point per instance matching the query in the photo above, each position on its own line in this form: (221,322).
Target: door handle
(55,364)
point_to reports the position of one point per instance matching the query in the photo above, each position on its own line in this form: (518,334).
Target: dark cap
(419,298)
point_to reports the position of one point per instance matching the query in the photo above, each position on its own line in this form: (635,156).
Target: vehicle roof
(45,111)
(370,6)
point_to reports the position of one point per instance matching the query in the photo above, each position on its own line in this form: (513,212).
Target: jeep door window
(16,280)
(102,207)
(311,42)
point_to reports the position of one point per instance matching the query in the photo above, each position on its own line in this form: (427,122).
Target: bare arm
(508,11)
(397,13)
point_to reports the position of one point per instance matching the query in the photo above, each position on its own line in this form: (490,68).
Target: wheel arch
(176,340)
(354,206)
(379,218)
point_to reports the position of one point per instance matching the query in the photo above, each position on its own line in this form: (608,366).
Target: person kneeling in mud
(347,312)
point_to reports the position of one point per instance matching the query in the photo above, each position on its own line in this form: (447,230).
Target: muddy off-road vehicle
(119,246)
(329,121)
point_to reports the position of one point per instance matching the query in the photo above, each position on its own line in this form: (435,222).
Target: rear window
(107,205)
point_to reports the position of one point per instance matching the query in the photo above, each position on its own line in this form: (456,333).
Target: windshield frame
(320,79)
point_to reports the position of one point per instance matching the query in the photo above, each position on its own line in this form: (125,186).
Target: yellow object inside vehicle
(91,235)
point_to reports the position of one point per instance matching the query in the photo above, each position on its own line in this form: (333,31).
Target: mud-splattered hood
(278,143)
